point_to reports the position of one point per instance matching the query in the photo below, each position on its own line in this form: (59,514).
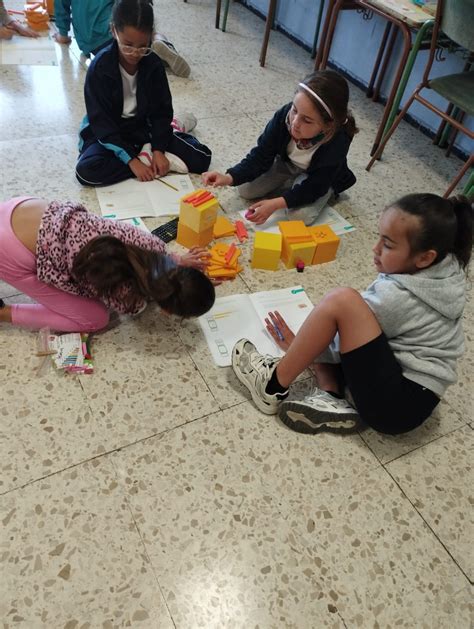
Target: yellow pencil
(168,184)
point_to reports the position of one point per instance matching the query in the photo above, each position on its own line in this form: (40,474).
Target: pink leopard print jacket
(65,228)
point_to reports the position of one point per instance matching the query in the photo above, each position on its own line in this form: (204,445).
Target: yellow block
(294,252)
(294,231)
(327,243)
(189,238)
(198,217)
(266,251)
(223,227)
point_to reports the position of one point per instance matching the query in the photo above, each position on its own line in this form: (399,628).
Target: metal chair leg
(218,13)
(226,13)
(469,163)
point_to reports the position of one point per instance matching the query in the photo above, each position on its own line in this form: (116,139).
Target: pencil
(167,184)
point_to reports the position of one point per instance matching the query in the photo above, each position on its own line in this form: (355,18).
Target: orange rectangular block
(327,243)
(188,238)
(294,231)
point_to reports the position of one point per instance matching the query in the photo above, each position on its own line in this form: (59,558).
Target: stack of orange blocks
(197,216)
(37,16)
(224,261)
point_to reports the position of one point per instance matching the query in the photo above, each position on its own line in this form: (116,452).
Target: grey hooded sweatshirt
(420,314)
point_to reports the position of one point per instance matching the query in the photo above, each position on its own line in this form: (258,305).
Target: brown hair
(333,89)
(445,225)
(107,264)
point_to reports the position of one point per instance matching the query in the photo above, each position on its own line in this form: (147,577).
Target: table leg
(318,28)
(268,28)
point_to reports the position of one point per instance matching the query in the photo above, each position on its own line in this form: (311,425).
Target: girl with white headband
(301,157)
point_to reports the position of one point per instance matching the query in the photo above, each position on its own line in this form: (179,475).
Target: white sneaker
(176,164)
(168,53)
(254,370)
(146,155)
(319,411)
(185,121)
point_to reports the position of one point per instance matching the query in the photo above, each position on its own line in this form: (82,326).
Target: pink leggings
(55,309)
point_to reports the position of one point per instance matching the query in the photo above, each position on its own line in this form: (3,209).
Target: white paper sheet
(242,316)
(28,51)
(329,216)
(132,198)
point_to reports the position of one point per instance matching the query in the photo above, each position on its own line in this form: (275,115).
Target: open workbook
(133,198)
(242,316)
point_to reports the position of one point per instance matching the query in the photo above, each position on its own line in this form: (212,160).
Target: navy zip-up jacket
(328,167)
(103,93)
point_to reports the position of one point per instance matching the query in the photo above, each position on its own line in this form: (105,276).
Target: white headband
(318,98)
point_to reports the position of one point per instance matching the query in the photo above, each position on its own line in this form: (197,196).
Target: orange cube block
(294,252)
(189,238)
(294,231)
(198,210)
(327,243)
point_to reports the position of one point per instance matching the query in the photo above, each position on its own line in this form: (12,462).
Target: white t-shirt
(129,84)
(301,157)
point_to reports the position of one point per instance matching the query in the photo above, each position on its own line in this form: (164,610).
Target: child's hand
(160,164)
(279,331)
(261,210)
(140,170)
(214,178)
(197,258)
(21,29)
(62,39)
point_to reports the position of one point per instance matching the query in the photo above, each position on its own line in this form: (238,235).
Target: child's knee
(246,191)
(84,174)
(95,318)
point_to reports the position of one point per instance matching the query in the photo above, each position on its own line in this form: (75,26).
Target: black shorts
(386,400)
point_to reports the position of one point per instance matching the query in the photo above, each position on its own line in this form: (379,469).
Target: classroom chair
(454,18)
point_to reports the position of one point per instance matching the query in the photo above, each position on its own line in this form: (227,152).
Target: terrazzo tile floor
(153,494)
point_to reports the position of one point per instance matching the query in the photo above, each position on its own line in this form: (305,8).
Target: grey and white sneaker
(254,371)
(168,53)
(319,412)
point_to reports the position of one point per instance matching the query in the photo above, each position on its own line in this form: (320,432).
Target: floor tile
(205,501)
(150,381)
(71,556)
(438,479)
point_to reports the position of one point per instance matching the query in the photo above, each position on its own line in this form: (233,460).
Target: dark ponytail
(445,225)
(463,210)
(107,264)
(135,13)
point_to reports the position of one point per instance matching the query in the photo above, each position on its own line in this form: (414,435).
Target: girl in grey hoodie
(395,346)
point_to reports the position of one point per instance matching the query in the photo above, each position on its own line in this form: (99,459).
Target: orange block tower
(197,215)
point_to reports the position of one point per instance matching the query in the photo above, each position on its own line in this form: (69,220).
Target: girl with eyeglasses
(129,130)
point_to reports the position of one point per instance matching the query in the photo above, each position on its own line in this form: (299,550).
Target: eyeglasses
(131,50)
